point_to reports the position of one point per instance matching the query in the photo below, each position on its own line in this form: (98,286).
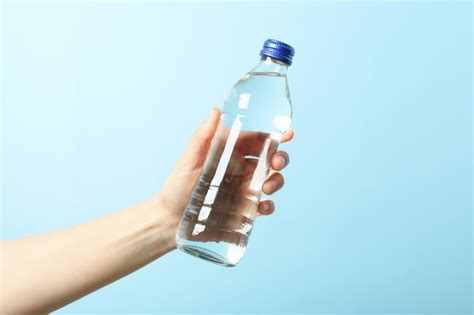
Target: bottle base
(220,253)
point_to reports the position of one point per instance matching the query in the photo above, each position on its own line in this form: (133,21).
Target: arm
(42,273)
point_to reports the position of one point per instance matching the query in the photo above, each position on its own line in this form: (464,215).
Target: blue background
(99,100)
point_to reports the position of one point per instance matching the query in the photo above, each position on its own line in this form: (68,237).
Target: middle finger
(280,160)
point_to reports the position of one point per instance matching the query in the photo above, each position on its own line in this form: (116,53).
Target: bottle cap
(278,50)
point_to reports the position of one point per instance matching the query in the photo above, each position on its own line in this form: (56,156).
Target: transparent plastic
(218,219)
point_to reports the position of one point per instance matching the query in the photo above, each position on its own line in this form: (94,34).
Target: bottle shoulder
(261,89)
(261,97)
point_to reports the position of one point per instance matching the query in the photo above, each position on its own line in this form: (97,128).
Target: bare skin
(83,258)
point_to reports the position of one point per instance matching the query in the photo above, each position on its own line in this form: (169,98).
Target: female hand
(177,190)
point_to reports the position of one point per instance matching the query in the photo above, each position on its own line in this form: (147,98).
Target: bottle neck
(269,64)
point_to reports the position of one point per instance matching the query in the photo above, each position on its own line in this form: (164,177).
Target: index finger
(287,136)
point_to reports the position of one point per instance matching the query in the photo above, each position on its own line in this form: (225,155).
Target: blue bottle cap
(278,50)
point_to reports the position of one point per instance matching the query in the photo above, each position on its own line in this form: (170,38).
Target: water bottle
(219,217)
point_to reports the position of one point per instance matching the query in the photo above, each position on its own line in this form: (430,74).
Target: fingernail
(266,207)
(210,114)
(272,185)
(281,161)
(214,109)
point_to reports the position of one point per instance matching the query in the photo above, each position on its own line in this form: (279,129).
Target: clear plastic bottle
(219,217)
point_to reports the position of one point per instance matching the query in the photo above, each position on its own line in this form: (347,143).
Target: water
(219,217)
(224,204)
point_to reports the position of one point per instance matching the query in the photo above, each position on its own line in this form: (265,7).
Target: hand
(177,190)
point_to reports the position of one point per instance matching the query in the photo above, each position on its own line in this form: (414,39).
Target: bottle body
(218,219)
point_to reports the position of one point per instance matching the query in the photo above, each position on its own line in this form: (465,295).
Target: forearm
(42,273)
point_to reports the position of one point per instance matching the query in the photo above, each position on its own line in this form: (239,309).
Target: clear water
(219,217)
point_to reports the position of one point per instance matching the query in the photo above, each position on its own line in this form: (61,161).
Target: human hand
(177,190)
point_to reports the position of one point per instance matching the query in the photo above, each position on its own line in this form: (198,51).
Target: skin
(83,258)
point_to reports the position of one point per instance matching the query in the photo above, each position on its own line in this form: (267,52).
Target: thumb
(196,151)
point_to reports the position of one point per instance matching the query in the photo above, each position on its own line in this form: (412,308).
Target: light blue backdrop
(99,99)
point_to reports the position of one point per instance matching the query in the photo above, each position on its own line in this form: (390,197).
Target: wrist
(164,224)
